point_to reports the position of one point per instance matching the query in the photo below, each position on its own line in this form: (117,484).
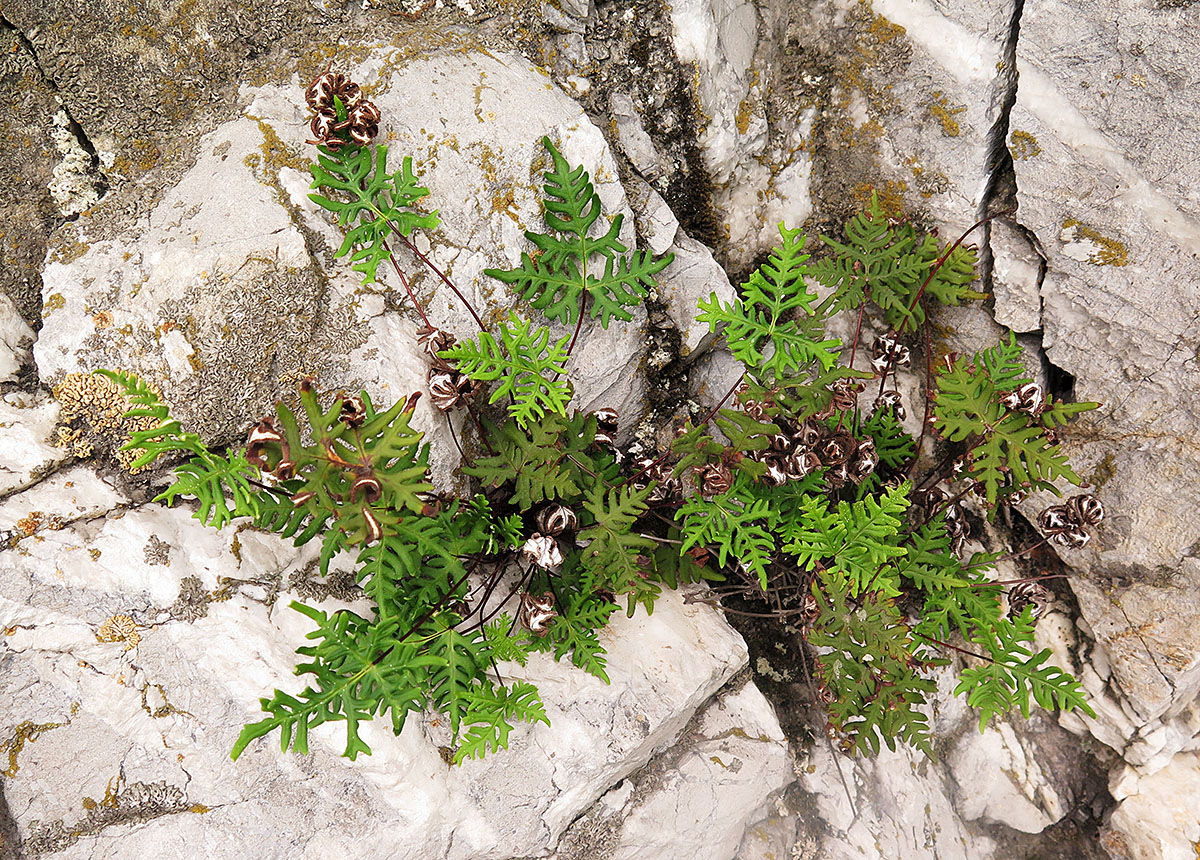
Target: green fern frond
(490,712)
(534,459)
(760,328)
(504,644)
(373,204)
(359,670)
(869,662)
(735,525)
(887,263)
(855,541)
(557,278)
(1011,448)
(528,367)
(1014,673)
(929,564)
(615,557)
(221,485)
(580,615)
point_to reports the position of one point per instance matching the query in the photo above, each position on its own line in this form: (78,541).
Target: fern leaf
(856,542)
(455,660)
(616,558)
(521,361)
(1012,447)
(929,564)
(563,271)
(580,615)
(867,662)
(533,459)
(734,524)
(359,669)
(887,263)
(490,713)
(759,328)
(375,202)
(209,479)
(1014,673)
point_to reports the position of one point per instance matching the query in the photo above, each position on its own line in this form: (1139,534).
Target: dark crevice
(28,46)
(1000,191)
(1060,385)
(631,44)
(99,180)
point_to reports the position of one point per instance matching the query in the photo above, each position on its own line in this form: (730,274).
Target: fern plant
(810,505)
(352,182)
(833,517)
(529,367)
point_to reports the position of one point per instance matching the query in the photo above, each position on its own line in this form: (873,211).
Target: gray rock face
(1113,208)
(172,143)
(139,642)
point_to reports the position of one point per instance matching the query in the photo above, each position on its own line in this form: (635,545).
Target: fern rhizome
(788,492)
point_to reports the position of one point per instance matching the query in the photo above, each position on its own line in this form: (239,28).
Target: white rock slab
(227,299)
(16,338)
(697,798)
(1158,817)
(26,453)
(72,493)
(149,728)
(1106,187)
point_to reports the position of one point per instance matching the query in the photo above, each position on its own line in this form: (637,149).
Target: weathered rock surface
(730,759)
(1157,816)
(206,268)
(139,715)
(1106,191)
(226,299)
(138,642)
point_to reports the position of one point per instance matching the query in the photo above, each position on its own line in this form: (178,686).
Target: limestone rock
(697,798)
(1157,817)
(226,300)
(1106,190)
(27,454)
(27,150)
(16,337)
(1016,278)
(134,663)
(759,173)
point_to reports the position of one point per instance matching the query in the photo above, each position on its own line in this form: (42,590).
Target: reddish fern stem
(429,263)
(579,323)
(408,289)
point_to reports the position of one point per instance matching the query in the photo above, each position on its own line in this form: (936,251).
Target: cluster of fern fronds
(791,492)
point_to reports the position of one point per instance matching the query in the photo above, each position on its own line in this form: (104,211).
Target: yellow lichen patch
(891,196)
(98,403)
(30,523)
(120,628)
(944,112)
(1104,471)
(1105,251)
(198,808)
(102,319)
(26,732)
(53,302)
(276,153)
(1023,145)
